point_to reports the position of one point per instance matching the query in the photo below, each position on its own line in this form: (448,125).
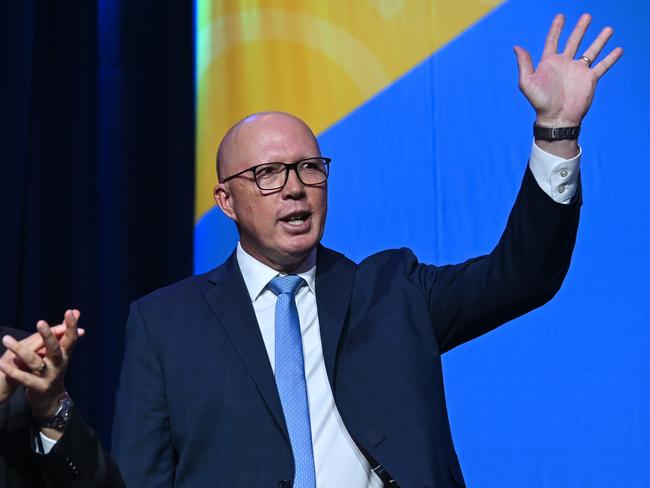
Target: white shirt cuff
(558,177)
(47,443)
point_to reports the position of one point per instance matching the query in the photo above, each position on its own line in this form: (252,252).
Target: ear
(223,198)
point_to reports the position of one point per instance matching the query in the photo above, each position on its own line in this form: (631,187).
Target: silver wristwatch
(61,417)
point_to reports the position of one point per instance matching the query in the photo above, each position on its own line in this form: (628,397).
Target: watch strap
(555,133)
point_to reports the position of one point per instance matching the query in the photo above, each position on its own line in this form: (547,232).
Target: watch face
(60,419)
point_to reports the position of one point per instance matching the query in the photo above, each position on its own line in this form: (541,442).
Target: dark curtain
(97,170)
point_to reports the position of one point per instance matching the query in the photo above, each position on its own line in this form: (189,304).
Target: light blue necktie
(290,377)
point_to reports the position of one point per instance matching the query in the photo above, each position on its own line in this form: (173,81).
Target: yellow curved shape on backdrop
(365,70)
(319,60)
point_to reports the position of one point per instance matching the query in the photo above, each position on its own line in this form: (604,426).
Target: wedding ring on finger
(586,60)
(38,371)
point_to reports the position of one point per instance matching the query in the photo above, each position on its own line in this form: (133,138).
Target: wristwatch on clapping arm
(61,417)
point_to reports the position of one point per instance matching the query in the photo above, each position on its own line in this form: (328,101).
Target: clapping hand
(39,363)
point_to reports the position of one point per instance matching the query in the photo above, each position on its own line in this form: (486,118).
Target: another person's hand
(34,343)
(39,363)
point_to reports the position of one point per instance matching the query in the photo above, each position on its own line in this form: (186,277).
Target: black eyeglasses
(273,176)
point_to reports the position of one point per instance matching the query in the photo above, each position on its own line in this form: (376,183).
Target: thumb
(524,63)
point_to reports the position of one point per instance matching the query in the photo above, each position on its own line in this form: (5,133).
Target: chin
(297,252)
(298,248)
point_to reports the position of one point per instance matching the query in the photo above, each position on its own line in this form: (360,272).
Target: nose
(293,187)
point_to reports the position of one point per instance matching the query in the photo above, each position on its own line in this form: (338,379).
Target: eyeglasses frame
(287,167)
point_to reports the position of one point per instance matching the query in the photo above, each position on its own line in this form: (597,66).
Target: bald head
(255,139)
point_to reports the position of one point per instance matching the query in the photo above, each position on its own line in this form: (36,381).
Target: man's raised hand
(561,89)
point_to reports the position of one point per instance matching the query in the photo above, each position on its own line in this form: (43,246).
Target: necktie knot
(288,284)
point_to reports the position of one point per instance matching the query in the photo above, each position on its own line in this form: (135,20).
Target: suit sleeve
(142,441)
(524,270)
(78,460)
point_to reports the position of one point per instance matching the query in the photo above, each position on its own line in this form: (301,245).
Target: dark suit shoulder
(189,285)
(389,257)
(388,263)
(330,260)
(384,273)
(177,306)
(192,285)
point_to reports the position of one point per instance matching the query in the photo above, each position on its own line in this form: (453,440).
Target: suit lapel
(334,280)
(231,304)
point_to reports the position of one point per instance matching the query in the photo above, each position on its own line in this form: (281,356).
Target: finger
(26,357)
(41,351)
(71,335)
(59,331)
(524,62)
(52,348)
(601,68)
(574,40)
(550,47)
(593,51)
(35,341)
(27,379)
(10,357)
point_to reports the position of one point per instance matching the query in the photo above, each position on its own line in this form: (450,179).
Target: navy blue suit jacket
(198,406)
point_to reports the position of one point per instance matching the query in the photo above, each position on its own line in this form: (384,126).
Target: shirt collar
(257,275)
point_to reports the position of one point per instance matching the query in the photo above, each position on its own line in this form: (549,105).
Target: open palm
(561,89)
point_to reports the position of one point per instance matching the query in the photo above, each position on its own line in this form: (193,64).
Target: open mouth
(296,220)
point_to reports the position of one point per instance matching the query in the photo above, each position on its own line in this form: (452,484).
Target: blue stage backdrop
(558,398)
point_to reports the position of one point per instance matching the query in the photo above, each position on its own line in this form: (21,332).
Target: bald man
(290,365)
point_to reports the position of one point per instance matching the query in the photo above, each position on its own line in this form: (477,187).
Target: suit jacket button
(284,484)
